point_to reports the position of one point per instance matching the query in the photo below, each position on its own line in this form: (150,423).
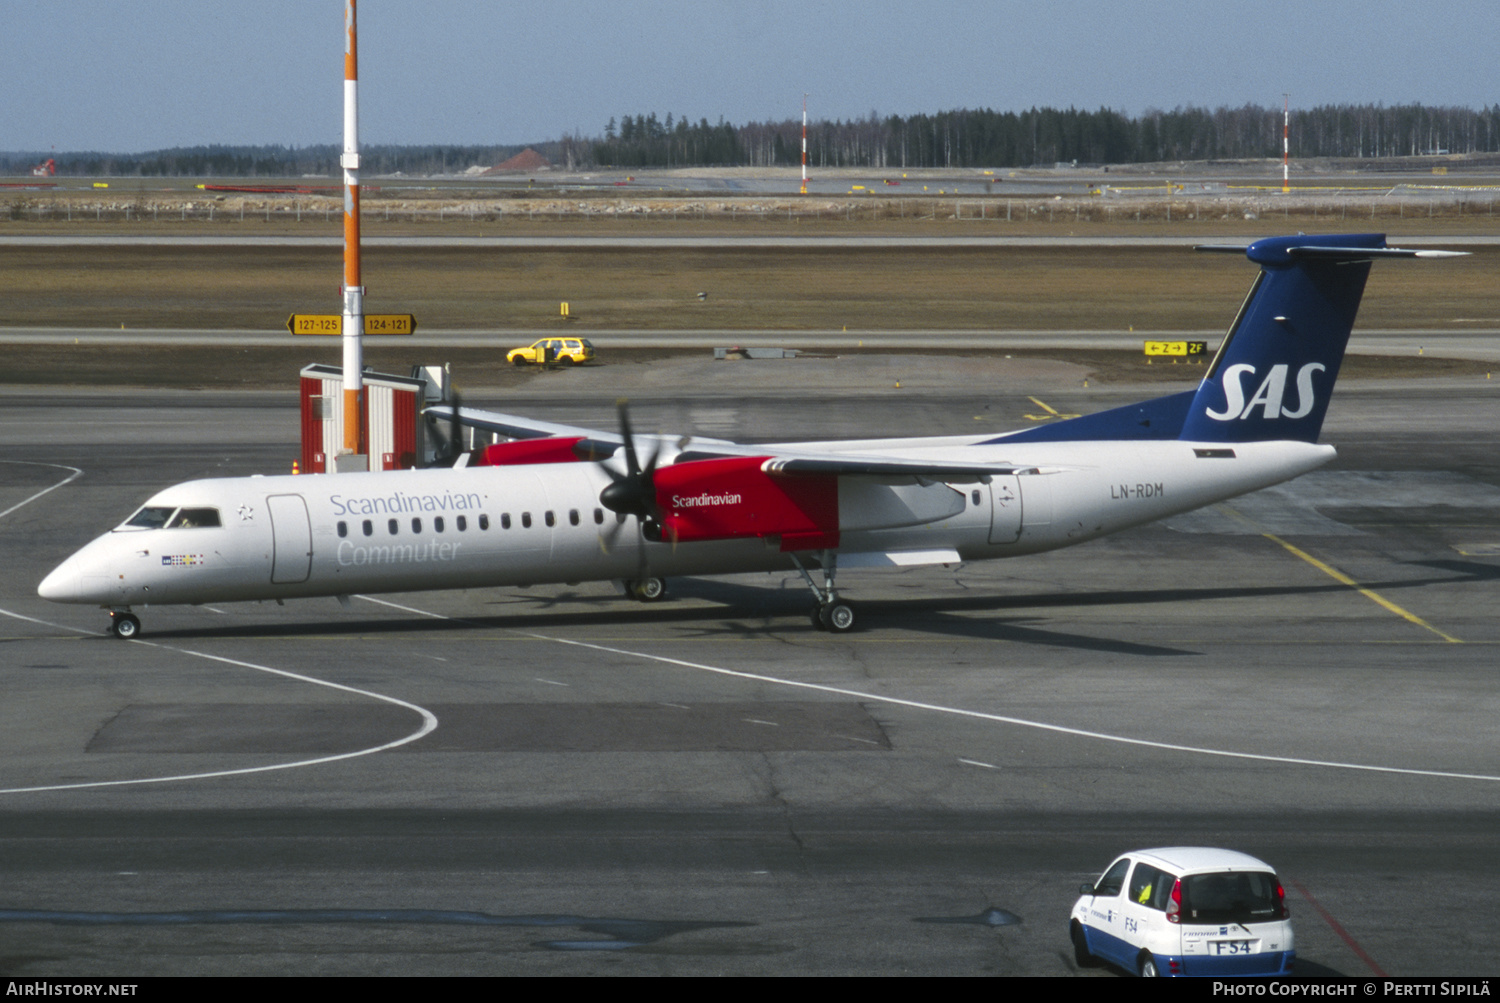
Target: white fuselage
(398,531)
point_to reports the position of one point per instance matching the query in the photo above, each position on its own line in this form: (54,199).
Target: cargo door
(291,535)
(1005,508)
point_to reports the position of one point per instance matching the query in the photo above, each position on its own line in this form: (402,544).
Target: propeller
(632,493)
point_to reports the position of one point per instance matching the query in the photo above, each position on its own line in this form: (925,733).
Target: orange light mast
(354,290)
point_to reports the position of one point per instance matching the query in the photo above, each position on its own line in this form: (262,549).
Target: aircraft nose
(61,585)
(82,578)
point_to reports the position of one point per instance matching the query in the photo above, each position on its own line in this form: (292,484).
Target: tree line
(1045,136)
(266,161)
(964,138)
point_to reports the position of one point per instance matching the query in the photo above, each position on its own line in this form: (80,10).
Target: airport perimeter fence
(996,211)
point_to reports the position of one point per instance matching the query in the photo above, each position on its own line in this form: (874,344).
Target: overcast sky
(127,77)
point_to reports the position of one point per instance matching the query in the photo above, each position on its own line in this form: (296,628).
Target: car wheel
(1148,967)
(1081,953)
(518,362)
(566,361)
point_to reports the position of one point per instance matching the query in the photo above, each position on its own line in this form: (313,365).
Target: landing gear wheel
(1148,967)
(649,589)
(1081,953)
(837,617)
(124,625)
(816,616)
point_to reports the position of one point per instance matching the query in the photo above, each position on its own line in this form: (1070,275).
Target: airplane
(558,503)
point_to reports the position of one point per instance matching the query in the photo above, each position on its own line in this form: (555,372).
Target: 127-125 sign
(332,323)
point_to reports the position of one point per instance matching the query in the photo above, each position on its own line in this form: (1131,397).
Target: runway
(1479,342)
(559,781)
(618,242)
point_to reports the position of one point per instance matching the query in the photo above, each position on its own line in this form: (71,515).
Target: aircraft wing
(792,463)
(516,427)
(596,444)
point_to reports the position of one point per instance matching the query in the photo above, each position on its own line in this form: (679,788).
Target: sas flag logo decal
(1270,395)
(181,560)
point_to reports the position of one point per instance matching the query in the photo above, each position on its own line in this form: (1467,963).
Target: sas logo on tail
(1269,395)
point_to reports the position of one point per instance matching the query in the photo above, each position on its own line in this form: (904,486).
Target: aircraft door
(1005,508)
(291,535)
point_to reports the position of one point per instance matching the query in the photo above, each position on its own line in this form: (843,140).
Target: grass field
(858,289)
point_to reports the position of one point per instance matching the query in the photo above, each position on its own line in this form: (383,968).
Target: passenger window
(598,517)
(437,523)
(195,518)
(343,529)
(525,520)
(463,523)
(975,496)
(1114,879)
(573,517)
(484,522)
(416,525)
(551,519)
(394,525)
(505,520)
(368,527)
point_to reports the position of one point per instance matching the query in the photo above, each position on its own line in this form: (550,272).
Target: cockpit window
(194,518)
(150,517)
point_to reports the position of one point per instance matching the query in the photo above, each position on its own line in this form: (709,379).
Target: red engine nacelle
(730,498)
(524,451)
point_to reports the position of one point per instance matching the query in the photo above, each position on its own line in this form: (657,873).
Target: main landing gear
(646,589)
(829,613)
(124,624)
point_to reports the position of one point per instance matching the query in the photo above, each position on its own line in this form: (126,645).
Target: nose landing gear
(124,624)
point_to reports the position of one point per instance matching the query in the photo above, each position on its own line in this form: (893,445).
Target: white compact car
(1185,910)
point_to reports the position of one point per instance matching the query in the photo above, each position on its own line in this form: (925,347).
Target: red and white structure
(1286,115)
(391,419)
(354,291)
(804,144)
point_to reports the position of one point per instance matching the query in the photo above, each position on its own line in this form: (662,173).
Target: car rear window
(1230,897)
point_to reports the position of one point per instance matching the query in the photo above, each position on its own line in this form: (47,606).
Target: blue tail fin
(1275,370)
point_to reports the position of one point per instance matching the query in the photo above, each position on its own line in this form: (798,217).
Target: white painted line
(550,682)
(754,720)
(429,723)
(975,762)
(984,716)
(71,477)
(429,720)
(409,609)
